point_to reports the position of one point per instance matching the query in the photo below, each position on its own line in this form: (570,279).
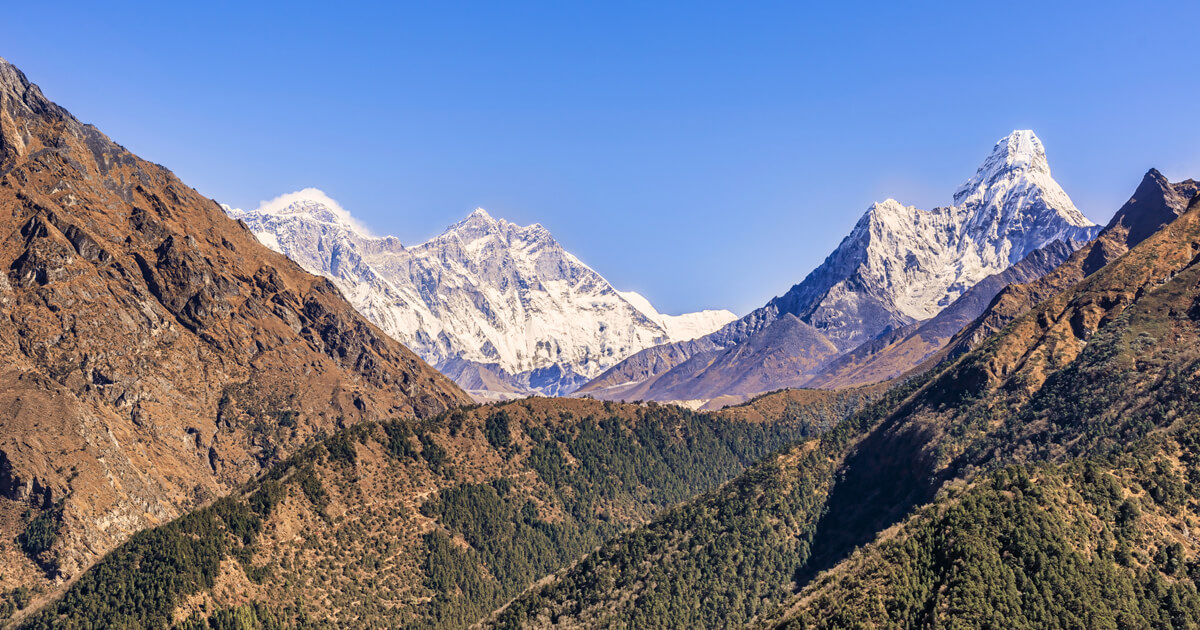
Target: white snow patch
(681,327)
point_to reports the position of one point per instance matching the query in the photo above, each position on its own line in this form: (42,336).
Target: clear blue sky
(704,154)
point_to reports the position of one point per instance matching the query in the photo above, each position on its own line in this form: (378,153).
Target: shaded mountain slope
(717,561)
(784,354)
(634,377)
(1107,369)
(154,354)
(1097,543)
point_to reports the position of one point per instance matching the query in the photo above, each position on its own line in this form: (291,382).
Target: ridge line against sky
(705,155)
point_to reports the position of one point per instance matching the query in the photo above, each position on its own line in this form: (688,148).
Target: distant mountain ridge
(898,266)
(896,353)
(501,308)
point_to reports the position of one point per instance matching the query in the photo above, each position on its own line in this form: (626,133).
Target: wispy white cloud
(274,206)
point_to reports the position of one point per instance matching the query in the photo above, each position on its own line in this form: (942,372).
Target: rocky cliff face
(502,308)
(154,355)
(899,265)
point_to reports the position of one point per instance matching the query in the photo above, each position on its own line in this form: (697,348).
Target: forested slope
(428,524)
(1103,375)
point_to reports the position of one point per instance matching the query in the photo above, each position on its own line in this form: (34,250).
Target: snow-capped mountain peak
(479,219)
(1017,154)
(1017,173)
(901,264)
(888,213)
(315,204)
(480,225)
(488,292)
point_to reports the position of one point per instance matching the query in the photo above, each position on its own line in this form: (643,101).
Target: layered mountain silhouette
(898,266)
(1058,443)
(198,433)
(980,313)
(1155,203)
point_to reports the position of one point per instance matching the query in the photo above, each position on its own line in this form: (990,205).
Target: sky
(704,154)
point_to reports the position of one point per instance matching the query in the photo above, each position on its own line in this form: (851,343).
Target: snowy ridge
(504,298)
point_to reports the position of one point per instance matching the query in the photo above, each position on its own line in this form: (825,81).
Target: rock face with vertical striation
(153,354)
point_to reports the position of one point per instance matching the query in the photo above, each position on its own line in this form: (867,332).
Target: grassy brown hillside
(800,405)
(153,355)
(1103,377)
(430,524)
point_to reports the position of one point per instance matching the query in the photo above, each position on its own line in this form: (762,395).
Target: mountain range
(505,311)
(1032,457)
(899,266)
(1040,479)
(502,309)
(199,433)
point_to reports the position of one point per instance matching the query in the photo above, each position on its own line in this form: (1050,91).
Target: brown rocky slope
(153,354)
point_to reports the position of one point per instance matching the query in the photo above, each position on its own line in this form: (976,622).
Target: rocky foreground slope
(153,355)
